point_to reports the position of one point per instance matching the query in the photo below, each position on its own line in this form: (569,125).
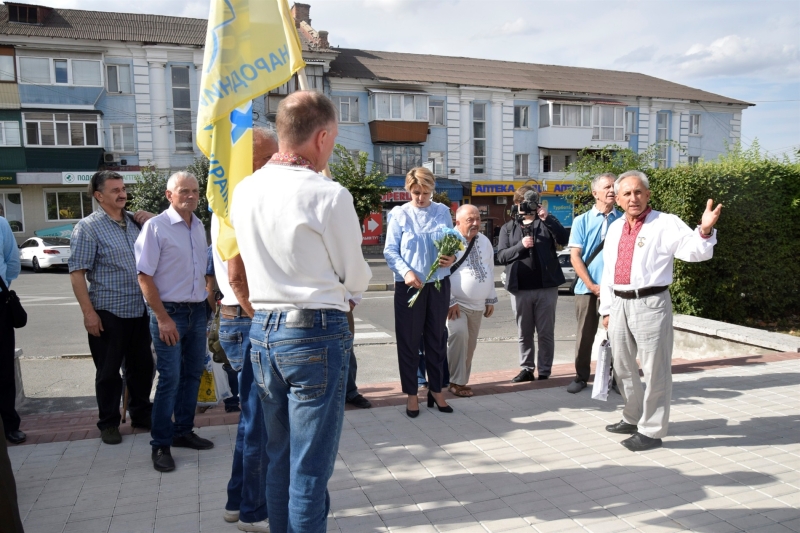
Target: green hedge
(755,272)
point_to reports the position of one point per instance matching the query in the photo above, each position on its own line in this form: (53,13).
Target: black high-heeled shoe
(432,402)
(410,413)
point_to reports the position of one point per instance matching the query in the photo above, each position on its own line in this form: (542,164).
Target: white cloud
(733,55)
(639,55)
(516,27)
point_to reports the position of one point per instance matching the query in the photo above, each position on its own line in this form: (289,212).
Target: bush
(755,272)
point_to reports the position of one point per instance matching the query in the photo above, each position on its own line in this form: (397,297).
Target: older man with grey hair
(586,241)
(472,297)
(636,307)
(171,258)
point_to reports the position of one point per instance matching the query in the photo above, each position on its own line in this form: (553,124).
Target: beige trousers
(643,328)
(462,338)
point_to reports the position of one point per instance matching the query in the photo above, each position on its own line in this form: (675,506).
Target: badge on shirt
(640,241)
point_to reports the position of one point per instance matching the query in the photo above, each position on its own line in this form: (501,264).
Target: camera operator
(527,247)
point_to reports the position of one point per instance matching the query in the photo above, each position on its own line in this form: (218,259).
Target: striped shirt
(105,250)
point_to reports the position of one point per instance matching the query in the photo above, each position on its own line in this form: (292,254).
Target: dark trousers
(123,343)
(10,521)
(422,381)
(426,319)
(586,306)
(8,387)
(351,391)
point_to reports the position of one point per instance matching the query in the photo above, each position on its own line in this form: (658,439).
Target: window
(573,116)
(521,165)
(314,74)
(61,129)
(9,133)
(694,159)
(437,158)
(119,79)
(399,159)
(23,14)
(436,113)
(398,106)
(521,116)
(182,109)
(11,208)
(479,138)
(67,205)
(555,162)
(347,107)
(608,123)
(630,122)
(7,66)
(662,123)
(546,163)
(544,115)
(694,124)
(122,138)
(46,71)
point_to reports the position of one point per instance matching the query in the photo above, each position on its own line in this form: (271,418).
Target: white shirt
(663,238)
(472,284)
(300,240)
(221,267)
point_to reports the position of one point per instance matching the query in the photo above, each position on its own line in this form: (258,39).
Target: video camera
(529,205)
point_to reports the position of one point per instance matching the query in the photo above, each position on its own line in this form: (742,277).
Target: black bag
(571,290)
(13,307)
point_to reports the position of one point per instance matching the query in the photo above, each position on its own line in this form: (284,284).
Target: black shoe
(544,377)
(360,402)
(110,435)
(162,459)
(16,437)
(141,424)
(576,386)
(232,409)
(191,440)
(524,375)
(623,428)
(432,402)
(410,413)
(640,443)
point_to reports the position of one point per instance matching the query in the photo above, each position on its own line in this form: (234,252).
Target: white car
(566,267)
(44,252)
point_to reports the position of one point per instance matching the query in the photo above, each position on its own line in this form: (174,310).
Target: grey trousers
(643,328)
(462,338)
(535,311)
(586,306)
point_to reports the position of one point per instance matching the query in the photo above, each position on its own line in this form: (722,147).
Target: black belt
(640,293)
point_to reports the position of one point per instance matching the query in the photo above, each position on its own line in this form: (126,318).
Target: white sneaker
(231,516)
(262,527)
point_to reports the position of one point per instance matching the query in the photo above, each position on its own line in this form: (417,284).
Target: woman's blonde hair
(420,176)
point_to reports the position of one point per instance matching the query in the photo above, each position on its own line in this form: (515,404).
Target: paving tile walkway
(530,460)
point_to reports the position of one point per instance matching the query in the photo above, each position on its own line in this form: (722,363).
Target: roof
(136,27)
(419,68)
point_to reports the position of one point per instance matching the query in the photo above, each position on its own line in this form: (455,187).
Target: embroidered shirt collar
(291,160)
(638,223)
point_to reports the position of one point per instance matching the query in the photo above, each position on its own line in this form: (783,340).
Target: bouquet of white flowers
(450,243)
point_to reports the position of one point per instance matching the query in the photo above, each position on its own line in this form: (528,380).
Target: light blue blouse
(409,239)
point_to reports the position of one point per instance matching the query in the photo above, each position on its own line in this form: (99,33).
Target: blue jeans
(247,488)
(179,370)
(233,383)
(301,370)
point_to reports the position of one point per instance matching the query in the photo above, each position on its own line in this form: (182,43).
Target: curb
(740,334)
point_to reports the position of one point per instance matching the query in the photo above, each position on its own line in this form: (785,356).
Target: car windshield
(55,241)
(564,260)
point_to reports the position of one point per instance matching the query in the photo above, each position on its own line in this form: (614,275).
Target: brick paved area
(532,458)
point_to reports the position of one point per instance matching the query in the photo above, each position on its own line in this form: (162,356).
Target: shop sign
(560,208)
(501,188)
(372,229)
(83,178)
(8,178)
(396,195)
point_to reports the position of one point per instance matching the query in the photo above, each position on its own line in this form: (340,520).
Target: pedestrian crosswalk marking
(372,335)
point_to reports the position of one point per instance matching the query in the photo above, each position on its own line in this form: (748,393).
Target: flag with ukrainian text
(252,47)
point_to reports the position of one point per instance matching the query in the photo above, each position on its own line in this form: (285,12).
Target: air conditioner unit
(109,158)
(502,200)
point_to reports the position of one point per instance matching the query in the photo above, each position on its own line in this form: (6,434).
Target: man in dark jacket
(528,249)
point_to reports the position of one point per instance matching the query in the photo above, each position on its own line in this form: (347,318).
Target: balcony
(398,116)
(393,131)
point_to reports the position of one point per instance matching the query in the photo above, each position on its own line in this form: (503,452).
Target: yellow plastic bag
(207,393)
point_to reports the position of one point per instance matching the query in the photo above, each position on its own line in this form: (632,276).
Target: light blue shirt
(175,255)
(9,258)
(410,234)
(588,230)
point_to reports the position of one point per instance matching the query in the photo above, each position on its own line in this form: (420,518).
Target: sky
(743,49)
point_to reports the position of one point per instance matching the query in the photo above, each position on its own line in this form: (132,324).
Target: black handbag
(571,290)
(13,307)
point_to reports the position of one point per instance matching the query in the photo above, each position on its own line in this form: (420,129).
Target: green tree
(442,198)
(364,182)
(148,193)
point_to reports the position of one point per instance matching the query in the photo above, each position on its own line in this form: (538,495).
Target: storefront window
(67,205)
(399,159)
(11,209)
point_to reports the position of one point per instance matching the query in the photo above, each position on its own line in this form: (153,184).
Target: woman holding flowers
(416,234)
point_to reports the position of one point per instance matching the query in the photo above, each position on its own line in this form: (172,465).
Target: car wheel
(35,263)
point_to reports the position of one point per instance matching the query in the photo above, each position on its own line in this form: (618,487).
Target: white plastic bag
(602,373)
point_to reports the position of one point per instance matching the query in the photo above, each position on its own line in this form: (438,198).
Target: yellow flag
(252,47)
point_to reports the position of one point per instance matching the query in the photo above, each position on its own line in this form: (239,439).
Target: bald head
(468,221)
